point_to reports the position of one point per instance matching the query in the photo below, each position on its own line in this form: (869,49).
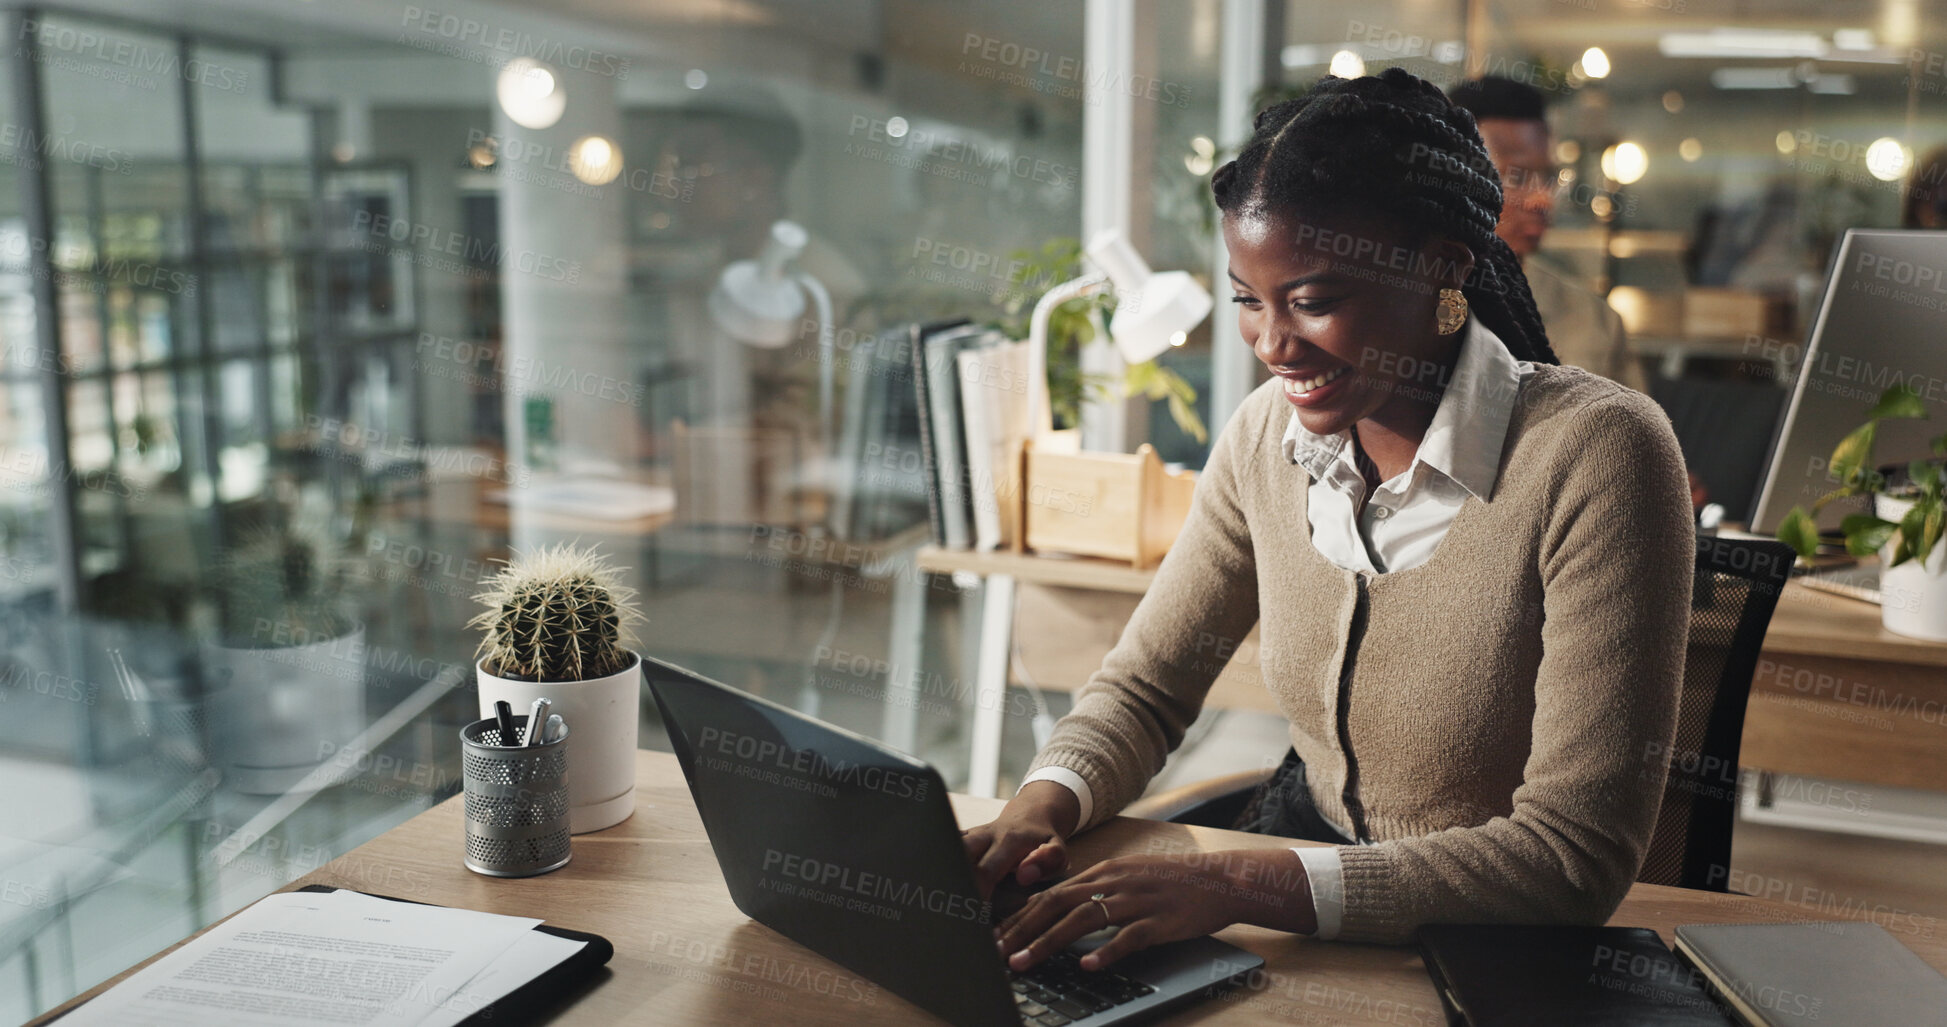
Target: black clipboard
(542,996)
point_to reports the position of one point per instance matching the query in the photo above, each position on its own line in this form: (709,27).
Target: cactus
(284,581)
(556,614)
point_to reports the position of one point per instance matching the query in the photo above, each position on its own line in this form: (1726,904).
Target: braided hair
(1394,146)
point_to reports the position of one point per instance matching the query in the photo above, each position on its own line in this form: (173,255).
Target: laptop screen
(838,843)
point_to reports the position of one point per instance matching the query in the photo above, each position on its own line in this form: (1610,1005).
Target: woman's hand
(1027,839)
(1154,899)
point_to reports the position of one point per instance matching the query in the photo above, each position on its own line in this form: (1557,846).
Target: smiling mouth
(1300,387)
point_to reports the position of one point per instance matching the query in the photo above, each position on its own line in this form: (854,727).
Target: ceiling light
(1568,151)
(1625,162)
(1833,85)
(1202,156)
(1595,63)
(696,78)
(1754,78)
(530,93)
(1887,159)
(1727,42)
(1319,55)
(1854,39)
(1346,64)
(1786,142)
(1690,150)
(594,160)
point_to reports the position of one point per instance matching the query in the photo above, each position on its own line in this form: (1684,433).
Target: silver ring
(1099,904)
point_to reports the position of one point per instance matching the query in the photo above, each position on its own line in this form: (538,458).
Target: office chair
(1735,591)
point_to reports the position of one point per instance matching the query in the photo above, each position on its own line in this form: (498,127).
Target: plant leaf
(1899,402)
(1798,532)
(1154,381)
(1925,473)
(1866,534)
(1840,493)
(1911,528)
(1853,454)
(1930,528)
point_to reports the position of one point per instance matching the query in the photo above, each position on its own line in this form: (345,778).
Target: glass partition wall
(180,312)
(296,317)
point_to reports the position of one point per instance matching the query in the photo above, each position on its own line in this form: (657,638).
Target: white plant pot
(604,716)
(1913,596)
(276,714)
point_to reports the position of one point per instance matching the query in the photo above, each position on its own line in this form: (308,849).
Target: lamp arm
(1041,418)
(822,302)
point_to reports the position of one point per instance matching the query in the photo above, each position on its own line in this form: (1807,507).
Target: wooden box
(1122,506)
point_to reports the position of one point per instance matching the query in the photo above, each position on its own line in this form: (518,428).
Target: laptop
(851,849)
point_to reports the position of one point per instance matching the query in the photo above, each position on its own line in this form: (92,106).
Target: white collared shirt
(1401,523)
(1409,513)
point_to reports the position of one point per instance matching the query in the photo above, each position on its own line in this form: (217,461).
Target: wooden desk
(1237,687)
(1835,695)
(485,504)
(1067,571)
(685,955)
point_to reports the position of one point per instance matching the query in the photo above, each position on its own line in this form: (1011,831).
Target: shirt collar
(1469,428)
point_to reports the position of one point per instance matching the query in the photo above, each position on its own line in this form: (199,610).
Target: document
(318,958)
(532,955)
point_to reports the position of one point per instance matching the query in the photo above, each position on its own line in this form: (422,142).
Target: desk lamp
(1153,313)
(760,302)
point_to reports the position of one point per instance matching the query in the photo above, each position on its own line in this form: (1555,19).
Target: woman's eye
(1303,306)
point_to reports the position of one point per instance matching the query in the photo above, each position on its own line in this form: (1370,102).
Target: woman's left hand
(1152,899)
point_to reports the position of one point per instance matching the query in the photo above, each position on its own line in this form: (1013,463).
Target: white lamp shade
(1148,323)
(1153,311)
(755,301)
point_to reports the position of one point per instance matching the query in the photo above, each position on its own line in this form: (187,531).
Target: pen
(505,712)
(537,718)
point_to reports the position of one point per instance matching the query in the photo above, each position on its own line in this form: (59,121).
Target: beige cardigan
(1501,706)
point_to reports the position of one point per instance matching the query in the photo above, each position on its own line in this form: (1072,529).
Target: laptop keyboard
(1059,991)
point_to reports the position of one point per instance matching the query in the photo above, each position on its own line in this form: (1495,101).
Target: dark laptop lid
(838,843)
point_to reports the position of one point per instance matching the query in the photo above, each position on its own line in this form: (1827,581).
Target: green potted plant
(556,626)
(284,666)
(1077,323)
(1904,525)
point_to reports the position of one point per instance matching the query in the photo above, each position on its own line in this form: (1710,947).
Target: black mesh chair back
(1737,587)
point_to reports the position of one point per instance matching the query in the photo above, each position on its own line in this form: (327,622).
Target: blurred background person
(1585,331)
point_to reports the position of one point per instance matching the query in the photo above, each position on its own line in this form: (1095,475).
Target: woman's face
(1343,311)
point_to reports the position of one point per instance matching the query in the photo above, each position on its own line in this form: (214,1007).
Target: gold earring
(1452,313)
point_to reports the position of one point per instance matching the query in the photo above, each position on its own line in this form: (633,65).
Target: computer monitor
(1882,322)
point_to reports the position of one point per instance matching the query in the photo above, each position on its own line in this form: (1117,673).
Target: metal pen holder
(516,802)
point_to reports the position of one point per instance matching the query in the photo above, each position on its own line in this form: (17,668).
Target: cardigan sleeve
(1133,712)
(1616,562)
